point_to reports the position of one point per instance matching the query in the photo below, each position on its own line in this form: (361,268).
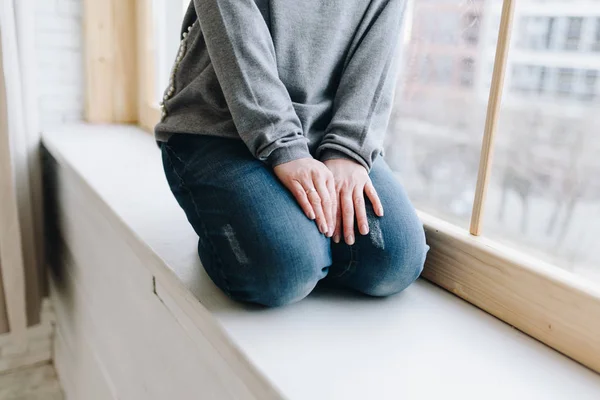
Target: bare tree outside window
(467,71)
(471,28)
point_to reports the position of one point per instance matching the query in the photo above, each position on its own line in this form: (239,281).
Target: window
(536,33)
(167,27)
(527,79)
(545,194)
(547,83)
(573,33)
(521,78)
(590,85)
(471,28)
(564,84)
(542,80)
(467,71)
(438,119)
(596,40)
(549,33)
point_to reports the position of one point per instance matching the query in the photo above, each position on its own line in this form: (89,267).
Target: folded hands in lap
(333,194)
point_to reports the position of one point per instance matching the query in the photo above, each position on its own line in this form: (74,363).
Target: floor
(34,383)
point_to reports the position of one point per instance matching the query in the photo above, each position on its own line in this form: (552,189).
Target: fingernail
(364,229)
(311,215)
(323,228)
(350,240)
(336,238)
(381,212)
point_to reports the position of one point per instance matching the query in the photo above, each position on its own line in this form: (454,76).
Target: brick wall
(59,42)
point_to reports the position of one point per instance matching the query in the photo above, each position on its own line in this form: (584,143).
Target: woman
(271,136)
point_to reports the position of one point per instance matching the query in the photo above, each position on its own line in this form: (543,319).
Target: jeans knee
(276,290)
(284,293)
(281,280)
(399,270)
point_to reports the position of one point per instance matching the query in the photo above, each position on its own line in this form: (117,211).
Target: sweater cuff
(290,152)
(329,153)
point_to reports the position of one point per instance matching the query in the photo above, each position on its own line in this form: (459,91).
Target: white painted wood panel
(108,299)
(78,371)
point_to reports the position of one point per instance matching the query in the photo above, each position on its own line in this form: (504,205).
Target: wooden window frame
(556,307)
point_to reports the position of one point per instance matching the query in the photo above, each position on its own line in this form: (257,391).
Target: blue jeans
(257,245)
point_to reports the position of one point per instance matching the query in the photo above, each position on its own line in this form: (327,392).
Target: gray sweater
(291,78)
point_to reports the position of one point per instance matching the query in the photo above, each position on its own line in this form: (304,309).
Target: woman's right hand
(311,183)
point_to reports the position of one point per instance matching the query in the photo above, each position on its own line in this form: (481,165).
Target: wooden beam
(110,42)
(493,113)
(148,111)
(554,306)
(11,250)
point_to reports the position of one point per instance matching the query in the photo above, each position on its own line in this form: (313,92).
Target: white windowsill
(422,344)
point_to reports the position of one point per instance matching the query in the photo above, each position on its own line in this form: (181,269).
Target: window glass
(544,196)
(436,127)
(168,16)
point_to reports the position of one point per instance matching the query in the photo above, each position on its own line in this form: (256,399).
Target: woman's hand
(312,185)
(352,183)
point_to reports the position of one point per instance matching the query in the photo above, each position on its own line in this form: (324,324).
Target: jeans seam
(191,196)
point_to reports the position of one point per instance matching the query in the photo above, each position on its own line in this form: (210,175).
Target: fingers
(337,233)
(347,216)
(334,205)
(358,197)
(326,203)
(300,195)
(315,202)
(372,195)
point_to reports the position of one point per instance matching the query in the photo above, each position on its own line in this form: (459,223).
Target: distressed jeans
(257,245)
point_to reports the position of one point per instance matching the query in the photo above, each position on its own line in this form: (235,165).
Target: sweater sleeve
(364,99)
(242,53)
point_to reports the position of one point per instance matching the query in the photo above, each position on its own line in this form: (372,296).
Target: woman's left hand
(352,183)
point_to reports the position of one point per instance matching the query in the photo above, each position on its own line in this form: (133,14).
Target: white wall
(59,43)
